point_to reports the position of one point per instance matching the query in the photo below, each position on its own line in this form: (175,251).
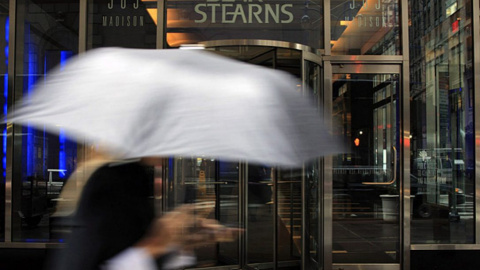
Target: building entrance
(279,209)
(305,218)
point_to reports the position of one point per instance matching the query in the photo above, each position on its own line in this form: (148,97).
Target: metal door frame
(316,59)
(342,65)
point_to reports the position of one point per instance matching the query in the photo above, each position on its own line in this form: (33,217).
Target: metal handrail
(394,179)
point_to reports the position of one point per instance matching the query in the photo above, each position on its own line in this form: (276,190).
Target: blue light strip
(30,82)
(62,164)
(62,157)
(64,55)
(5,100)
(44,152)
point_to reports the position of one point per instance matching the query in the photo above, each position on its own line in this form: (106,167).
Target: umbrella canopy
(179,102)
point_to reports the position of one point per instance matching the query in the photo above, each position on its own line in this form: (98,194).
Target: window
(42,162)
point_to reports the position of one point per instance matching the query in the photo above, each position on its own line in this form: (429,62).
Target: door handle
(394,178)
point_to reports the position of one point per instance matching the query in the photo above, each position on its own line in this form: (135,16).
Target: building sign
(371,13)
(296,21)
(123,13)
(122,23)
(243,11)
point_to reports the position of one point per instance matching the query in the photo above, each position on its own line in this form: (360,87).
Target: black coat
(114,212)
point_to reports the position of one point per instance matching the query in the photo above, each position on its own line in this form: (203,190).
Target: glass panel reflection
(287,60)
(365,27)
(213,186)
(42,161)
(289,228)
(313,199)
(442,124)
(263,223)
(260,220)
(365,181)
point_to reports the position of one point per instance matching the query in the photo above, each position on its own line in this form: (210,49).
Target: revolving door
(279,209)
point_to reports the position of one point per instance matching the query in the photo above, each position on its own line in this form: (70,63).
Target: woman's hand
(168,232)
(180,229)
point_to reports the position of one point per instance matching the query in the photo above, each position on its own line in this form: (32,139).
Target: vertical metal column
(165,173)
(320,225)
(304,216)
(321,180)
(161,23)
(476,68)
(11,88)
(159,187)
(82,27)
(217,188)
(328,173)
(82,153)
(275,194)
(243,213)
(327,165)
(327,27)
(404,99)
(302,184)
(11,170)
(275,221)
(8,180)
(314,58)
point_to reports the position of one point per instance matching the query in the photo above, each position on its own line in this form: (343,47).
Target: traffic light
(356,141)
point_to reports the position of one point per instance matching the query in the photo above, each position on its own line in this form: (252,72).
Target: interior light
(192,46)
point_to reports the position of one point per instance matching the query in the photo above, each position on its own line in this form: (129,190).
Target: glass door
(366,181)
(278,208)
(213,186)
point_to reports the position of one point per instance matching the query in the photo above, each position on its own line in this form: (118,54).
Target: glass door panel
(312,182)
(227,208)
(289,218)
(213,186)
(366,180)
(313,216)
(443,132)
(260,214)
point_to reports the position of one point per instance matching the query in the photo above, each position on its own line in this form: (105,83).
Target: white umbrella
(180,102)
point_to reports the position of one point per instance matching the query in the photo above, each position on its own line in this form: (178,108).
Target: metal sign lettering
(243,11)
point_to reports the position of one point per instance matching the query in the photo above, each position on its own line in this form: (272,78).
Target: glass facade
(442,122)
(396,78)
(365,27)
(46,36)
